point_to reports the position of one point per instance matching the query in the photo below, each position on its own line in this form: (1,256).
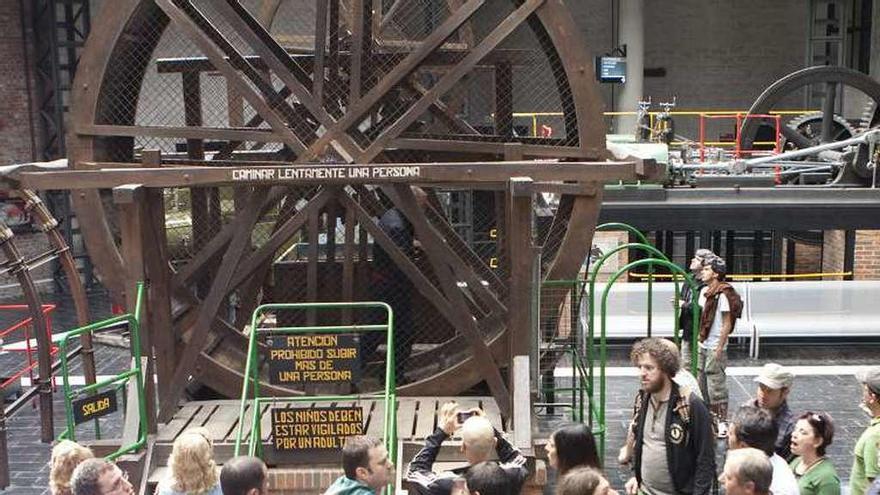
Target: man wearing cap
(774,383)
(865,463)
(685,317)
(720,303)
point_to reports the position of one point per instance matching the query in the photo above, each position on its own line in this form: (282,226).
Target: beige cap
(775,376)
(871,378)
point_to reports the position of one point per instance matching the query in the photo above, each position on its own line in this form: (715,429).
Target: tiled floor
(835,394)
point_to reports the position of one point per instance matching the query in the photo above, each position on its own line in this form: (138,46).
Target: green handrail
(133,321)
(623,226)
(644,241)
(251,372)
(602,339)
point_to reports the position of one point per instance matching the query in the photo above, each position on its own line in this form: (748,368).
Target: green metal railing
(580,385)
(643,241)
(117,382)
(675,269)
(582,352)
(252,381)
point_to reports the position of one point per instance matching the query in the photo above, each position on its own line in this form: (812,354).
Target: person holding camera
(478,440)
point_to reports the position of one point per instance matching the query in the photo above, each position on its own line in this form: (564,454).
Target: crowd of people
(671,439)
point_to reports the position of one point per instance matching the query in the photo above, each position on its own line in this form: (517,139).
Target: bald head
(478,439)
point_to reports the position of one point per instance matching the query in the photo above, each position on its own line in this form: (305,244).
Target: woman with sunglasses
(815,473)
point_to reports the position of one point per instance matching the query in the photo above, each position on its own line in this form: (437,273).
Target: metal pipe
(860,139)
(4,456)
(787,164)
(786,172)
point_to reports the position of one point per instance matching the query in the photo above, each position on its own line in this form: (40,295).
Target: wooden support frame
(109,175)
(243,223)
(400,71)
(224,65)
(94,135)
(283,66)
(132,205)
(157,276)
(452,77)
(431,243)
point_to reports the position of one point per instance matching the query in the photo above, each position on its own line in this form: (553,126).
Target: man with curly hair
(674,448)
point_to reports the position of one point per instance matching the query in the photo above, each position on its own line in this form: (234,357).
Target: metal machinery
(233,153)
(829,147)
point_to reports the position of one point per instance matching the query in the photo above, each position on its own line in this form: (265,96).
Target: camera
(464,415)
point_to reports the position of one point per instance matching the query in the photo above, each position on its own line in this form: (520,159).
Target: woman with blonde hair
(66,455)
(192,468)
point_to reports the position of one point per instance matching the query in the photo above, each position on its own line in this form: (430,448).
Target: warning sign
(94,406)
(320,428)
(315,359)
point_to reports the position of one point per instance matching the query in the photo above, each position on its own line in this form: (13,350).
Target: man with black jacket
(674,449)
(478,440)
(686,301)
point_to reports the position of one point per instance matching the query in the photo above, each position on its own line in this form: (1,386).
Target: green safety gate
(119,381)
(252,381)
(675,269)
(583,360)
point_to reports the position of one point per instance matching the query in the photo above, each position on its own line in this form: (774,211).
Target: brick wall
(833,252)
(807,258)
(867,255)
(15,122)
(866,264)
(607,241)
(717,54)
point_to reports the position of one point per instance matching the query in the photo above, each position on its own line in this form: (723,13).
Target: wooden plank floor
(416,418)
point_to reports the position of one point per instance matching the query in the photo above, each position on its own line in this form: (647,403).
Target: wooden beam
(312,265)
(462,270)
(158,278)
(231,134)
(485,147)
(386,54)
(357,110)
(194,31)
(440,110)
(131,203)
(321,11)
(461,313)
(252,262)
(348,264)
(244,224)
(277,59)
(357,51)
(578,237)
(451,78)
(280,173)
(202,261)
(504,99)
(520,224)
(422,283)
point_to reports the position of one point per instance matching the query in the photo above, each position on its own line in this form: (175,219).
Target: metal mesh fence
(166,83)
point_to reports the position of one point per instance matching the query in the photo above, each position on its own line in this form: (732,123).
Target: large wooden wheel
(333,81)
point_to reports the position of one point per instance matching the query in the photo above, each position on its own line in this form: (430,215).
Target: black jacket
(784,420)
(686,316)
(422,480)
(690,444)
